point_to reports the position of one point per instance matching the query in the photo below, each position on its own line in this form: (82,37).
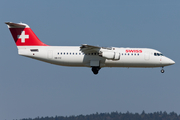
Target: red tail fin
(23,35)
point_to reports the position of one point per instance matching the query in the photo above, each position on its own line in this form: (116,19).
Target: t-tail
(23,35)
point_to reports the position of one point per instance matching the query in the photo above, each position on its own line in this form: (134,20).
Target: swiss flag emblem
(23,36)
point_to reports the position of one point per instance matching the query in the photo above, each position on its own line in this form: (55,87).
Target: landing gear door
(94,63)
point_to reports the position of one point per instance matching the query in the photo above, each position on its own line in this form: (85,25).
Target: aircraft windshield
(158,54)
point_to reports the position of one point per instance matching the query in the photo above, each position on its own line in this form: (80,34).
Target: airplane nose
(168,61)
(171,62)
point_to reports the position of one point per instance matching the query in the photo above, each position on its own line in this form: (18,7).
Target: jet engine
(110,55)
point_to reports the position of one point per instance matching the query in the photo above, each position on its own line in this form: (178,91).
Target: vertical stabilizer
(23,35)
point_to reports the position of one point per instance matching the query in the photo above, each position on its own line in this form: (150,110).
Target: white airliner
(85,55)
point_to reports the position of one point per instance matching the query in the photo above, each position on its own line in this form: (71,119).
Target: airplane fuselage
(73,56)
(96,57)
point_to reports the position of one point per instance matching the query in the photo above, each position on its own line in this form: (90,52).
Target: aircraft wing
(89,48)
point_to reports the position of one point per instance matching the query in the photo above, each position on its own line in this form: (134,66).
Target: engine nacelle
(110,55)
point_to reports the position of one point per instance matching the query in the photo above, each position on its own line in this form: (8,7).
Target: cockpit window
(161,54)
(158,54)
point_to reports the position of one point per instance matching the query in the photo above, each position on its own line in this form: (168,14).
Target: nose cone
(167,61)
(171,62)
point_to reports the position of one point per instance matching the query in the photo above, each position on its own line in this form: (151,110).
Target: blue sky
(30,88)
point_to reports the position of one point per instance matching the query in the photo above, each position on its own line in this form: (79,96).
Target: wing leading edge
(89,48)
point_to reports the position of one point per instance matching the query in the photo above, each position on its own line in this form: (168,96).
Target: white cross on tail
(23,36)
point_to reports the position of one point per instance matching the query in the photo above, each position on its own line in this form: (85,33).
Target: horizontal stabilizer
(16,25)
